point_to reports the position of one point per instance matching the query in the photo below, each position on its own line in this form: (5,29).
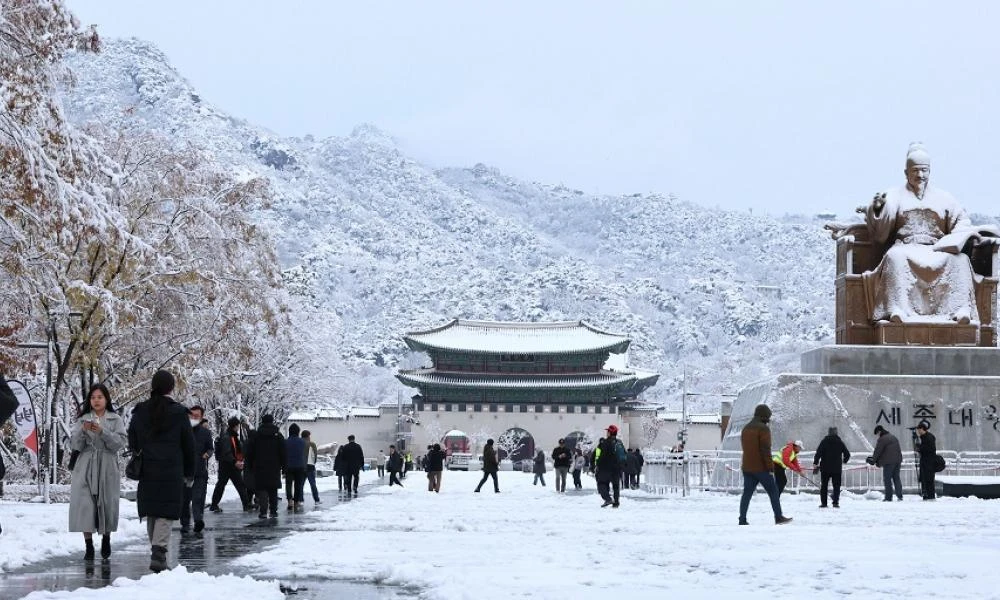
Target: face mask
(194,423)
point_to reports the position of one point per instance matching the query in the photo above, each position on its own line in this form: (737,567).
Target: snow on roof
(455,433)
(365,411)
(616,362)
(523,338)
(331,413)
(706,419)
(418,377)
(302,416)
(702,419)
(394,404)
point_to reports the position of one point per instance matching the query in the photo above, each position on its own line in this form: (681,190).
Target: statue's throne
(857,253)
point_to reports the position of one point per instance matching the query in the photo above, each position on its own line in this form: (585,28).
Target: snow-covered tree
(510,441)
(651,426)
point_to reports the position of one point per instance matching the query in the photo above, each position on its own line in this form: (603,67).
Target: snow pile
(529,541)
(34,532)
(173,584)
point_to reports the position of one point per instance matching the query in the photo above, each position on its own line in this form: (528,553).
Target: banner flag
(24,418)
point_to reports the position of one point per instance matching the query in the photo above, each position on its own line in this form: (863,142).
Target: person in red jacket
(786,458)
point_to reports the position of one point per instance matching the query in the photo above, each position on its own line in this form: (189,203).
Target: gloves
(189,482)
(870,460)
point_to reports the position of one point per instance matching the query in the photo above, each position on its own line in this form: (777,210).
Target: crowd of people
(618,469)
(763,468)
(171,445)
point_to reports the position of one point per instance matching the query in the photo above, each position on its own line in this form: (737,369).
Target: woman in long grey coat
(94,495)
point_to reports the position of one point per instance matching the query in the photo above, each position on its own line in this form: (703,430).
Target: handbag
(939,463)
(133,469)
(72,459)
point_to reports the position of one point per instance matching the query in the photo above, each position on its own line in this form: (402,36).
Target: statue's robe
(922,277)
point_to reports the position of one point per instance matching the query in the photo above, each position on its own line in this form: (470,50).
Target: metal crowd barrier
(681,472)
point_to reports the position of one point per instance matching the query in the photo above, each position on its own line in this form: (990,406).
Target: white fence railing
(681,472)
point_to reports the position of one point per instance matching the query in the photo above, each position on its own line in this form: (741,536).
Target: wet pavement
(227,535)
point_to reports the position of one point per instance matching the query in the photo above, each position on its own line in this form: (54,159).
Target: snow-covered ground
(174,584)
(530,542)
(34,531)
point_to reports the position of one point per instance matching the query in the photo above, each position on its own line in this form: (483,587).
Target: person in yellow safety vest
(595,454)
(407,463)
(786,458)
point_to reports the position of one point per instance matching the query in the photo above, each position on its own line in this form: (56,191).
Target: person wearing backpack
(927,450)
(610,456)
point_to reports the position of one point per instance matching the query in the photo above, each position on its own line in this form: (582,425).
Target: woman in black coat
(160,430)
(266,458)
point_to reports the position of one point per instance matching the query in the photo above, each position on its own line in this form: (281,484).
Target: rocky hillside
(375,243)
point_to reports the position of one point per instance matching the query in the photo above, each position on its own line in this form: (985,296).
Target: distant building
(523,384)
(535,381)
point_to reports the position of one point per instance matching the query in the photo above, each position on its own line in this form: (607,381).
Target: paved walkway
(227,535)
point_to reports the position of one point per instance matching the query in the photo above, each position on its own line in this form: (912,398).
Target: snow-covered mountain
(377,244)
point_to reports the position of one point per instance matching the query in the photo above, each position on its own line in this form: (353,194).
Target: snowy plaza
(251,252)
(531,542)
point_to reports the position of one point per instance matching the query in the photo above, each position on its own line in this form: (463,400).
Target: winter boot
(88,553)
(199,526)
(782,520)
(158,559)
(106,545)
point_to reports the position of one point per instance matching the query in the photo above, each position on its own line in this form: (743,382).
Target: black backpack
(939,463)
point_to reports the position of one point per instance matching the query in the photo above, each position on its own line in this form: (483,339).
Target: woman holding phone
(94,494)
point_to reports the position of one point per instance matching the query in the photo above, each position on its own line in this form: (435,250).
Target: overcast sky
(775,106)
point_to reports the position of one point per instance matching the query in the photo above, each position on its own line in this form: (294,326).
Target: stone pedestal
(893,360)
(855,388)
(926,334)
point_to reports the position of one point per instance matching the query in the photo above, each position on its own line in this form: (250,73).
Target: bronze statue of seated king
(916,272)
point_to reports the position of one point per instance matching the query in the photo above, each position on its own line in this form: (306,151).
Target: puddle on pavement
(228,535)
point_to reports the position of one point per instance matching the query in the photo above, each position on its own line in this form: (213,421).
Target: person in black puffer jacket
(160,430)
(267,457)
(435,466)
(927,449)
(831,456)
(194,495)
(562,460)
(394,464)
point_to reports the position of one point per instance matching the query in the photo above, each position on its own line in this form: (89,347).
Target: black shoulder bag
(133,469)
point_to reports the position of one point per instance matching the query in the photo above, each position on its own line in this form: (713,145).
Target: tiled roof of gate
(494,337)
(418,377)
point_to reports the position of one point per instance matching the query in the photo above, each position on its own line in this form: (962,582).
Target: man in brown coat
(757,464)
